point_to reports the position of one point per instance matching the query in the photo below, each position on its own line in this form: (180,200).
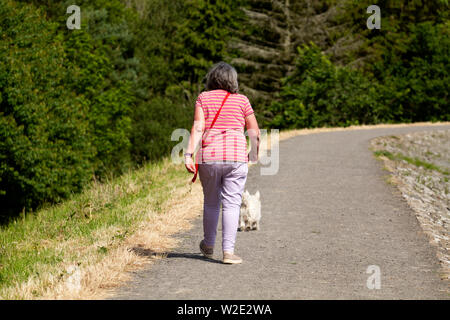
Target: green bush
(416,79)
(319,93)
(45,150)
(151,135)
(65,108)
(109,104)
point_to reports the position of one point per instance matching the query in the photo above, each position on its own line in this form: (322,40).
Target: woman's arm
(254,135)
(196,136)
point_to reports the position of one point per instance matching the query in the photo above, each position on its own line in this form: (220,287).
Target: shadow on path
(183,255)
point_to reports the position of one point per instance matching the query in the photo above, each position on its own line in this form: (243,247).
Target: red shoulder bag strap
(212,124)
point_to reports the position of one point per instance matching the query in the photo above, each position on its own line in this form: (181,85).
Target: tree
(45,148)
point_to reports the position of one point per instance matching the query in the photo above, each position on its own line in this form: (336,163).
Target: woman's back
(226,140)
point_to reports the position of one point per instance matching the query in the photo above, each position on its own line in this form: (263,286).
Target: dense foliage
(318,93)
(45,146)
(78,104)
(404,77)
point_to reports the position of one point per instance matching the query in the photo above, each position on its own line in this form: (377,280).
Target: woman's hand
(189,164)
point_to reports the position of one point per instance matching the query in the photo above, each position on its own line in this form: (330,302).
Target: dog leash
(212,124)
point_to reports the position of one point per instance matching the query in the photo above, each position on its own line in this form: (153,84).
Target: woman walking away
(222,159)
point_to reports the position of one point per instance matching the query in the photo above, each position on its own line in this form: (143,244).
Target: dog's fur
(250,212)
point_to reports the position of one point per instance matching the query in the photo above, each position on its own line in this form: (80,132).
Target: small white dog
(250,212)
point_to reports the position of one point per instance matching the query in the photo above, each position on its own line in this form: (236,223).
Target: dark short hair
(222,76)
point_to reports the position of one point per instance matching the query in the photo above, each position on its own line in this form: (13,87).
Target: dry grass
(149,243)
(86,273)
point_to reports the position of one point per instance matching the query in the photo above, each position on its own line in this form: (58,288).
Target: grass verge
(82,246)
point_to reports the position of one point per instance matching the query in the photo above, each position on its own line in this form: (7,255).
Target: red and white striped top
(226,140)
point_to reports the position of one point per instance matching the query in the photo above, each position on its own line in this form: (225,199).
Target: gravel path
(326,216)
